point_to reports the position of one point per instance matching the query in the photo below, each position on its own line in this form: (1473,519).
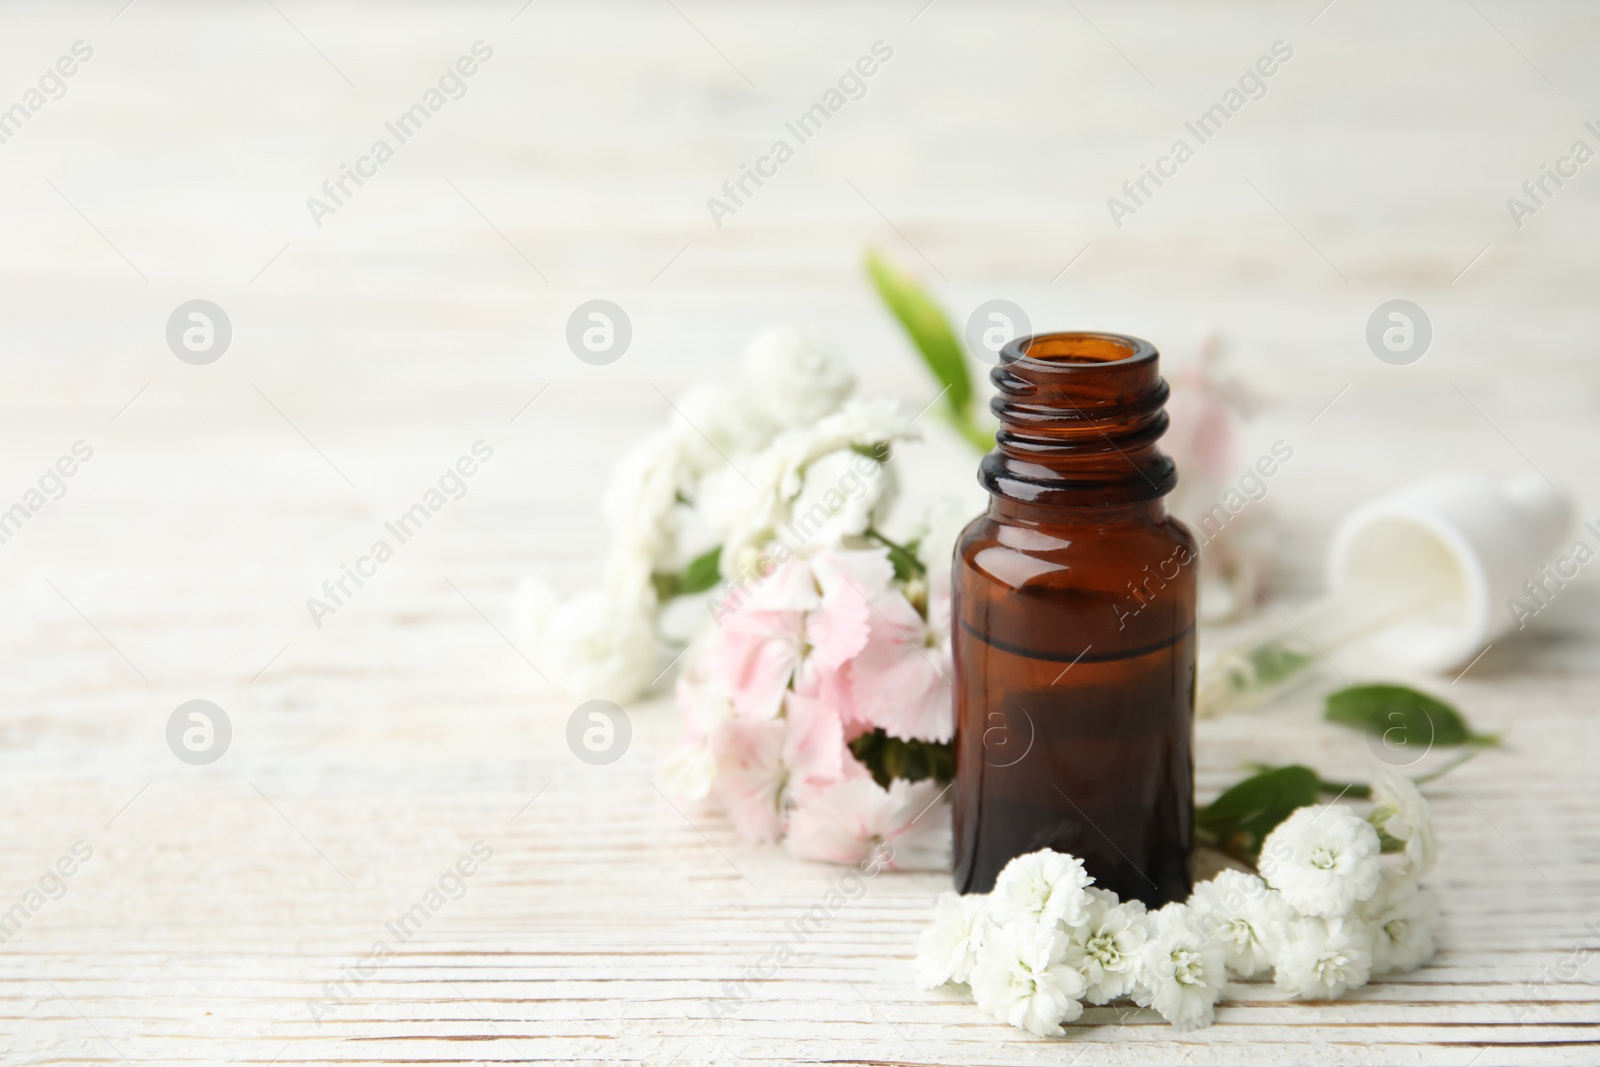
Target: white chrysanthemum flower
(795,378)
(1403,919)
(1020,978)
(948,949)
(719,421)
(1045,887)
(1183,971)
(1245,918)
(1321,958)
(641,498)
(841,495)
(600,643)
(723,496)
(863,421)
(1323,859)
(1402,816)
(755,505)
(1105,947)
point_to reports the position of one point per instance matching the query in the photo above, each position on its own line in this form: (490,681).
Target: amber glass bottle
(1074,627)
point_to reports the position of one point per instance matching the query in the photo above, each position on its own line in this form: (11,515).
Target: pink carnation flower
(755,655)
(814,748)
(848,822)
(751,776)
(901,679)
(817,609)
(819,653)
(832,686)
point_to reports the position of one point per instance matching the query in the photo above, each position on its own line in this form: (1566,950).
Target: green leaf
(889,758)
(1240,819)
(1358,790)
(929,329)
(878,452)
(935,341)
(1405,719)
(701,574)
(904,557)
(1337,788)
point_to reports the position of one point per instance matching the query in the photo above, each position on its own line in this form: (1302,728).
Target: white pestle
(1429,570)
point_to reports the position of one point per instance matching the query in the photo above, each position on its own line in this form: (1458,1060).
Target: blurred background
(375,339)
(429,308)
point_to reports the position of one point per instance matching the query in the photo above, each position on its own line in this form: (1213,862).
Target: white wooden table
(371,753)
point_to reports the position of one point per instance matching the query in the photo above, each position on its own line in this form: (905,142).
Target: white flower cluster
(1325,915)
(737,457)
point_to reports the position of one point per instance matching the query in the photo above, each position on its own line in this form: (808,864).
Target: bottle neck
(1079,414)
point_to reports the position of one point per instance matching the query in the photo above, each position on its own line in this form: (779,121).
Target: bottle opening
(1077,348)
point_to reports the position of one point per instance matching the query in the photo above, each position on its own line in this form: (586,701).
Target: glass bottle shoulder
(1075,551)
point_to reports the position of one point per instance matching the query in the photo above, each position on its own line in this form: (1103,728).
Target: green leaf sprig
(903,557)
(1239,820)
(936,342)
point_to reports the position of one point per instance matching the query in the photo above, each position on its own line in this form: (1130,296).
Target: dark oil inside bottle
(1074,634)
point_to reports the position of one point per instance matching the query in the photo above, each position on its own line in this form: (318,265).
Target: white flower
(1021,978)
(599,644)
(795,378)
(753,506)
(1045,886)
(1245,918)
(1402,816)
(1321,958)
(1323,859)
(717,422)
(641,499)
(727,502)
(948,949)
(1183,971)
(1105,947)
(862,422)
(843,492)
(1403,919)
